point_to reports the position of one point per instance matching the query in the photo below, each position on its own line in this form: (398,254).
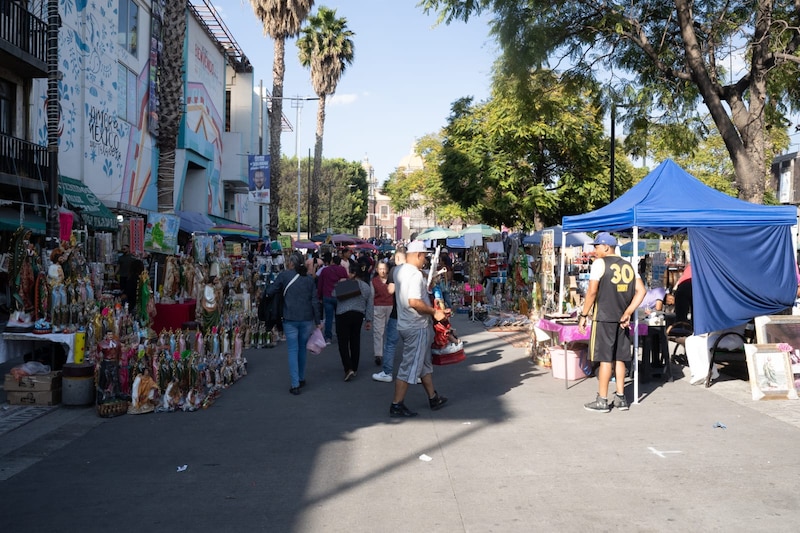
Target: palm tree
(326,47)
(282,20)
(170,94)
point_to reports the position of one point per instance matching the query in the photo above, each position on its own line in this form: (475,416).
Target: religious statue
(107,371)
(144,394)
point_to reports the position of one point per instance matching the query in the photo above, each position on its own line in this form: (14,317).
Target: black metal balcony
(23,40)
(21,161)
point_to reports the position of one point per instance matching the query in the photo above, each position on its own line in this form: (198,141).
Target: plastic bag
(316,342)
(31,368)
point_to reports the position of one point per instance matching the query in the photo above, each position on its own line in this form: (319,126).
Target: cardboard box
(45,397)
(42,382)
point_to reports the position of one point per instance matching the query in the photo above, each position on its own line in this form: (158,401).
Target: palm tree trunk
(275,118)
(317,175)
(170,94)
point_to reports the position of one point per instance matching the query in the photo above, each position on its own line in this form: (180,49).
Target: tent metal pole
(635,262)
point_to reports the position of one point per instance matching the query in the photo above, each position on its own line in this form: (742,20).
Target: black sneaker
(437,402)
(620,402)
(399,410)
(600,405)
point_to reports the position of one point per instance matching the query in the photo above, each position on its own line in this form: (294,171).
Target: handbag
(316,342)
(346,289)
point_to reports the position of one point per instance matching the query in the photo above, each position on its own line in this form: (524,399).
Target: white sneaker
(382,376)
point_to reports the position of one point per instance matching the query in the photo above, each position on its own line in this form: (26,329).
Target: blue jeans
(297,334)
(330,310)
(390,337)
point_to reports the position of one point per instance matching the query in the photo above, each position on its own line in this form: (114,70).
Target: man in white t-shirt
(414,312)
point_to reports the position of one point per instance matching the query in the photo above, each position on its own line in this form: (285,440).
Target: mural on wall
(203,134)
(110,153)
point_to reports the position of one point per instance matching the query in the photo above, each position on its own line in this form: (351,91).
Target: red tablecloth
(172,316)
(571,333)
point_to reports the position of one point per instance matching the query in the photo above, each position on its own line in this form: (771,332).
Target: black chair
(717,353)
(678,333)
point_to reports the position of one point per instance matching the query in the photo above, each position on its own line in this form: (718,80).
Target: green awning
(9,220)
(93,212)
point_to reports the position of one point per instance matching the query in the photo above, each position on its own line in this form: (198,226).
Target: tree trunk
(743,130)
(275,119)
(170,95)
(317,174)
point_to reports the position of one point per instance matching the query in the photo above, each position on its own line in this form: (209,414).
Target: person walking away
(390,335)
(331,273)
(615,291)
(350,314)
(382,308)
(414,313)
(300,315)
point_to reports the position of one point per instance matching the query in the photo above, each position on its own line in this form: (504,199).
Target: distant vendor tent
(436,233)
(235,231)
(484,229)
(573,239)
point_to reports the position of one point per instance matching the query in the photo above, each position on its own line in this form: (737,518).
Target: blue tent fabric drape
(739,250)
(727,290)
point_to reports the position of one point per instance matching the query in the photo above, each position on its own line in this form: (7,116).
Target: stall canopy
(10,220)
(742,259)
(192,222)
(573,239)
(93,212)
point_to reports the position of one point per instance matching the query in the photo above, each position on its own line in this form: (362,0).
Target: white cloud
(343,99)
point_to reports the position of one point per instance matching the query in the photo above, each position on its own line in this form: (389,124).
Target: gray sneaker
(620,402)
(600,405)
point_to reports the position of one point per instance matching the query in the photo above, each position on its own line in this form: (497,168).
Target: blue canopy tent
(743,261)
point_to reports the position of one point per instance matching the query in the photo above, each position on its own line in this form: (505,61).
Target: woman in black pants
(350,313)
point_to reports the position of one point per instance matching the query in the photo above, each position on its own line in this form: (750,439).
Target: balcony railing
(23,30)
(23,159)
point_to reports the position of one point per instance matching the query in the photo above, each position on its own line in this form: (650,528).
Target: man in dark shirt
(326,281)
(615,291)
(124,266)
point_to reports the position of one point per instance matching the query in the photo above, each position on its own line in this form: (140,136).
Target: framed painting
(770,371)
(778,328)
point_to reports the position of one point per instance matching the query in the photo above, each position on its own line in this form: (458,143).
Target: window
(384,212)
(128,99)
(228,110)
(128,25)
(6,107)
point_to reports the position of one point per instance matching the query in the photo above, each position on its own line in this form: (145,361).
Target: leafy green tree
(676,51)
(326,48)
(532,153)
(343,200)
(282,20)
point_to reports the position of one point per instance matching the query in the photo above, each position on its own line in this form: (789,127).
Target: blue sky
(406,73)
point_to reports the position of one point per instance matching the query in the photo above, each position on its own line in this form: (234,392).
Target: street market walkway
(512,451)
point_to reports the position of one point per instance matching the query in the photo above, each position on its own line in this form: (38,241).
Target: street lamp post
(297,103)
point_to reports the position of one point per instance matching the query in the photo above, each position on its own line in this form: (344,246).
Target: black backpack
(270,309)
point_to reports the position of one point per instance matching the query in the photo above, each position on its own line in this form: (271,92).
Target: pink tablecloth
(570,332)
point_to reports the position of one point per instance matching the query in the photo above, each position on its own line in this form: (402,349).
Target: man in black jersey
(615,291)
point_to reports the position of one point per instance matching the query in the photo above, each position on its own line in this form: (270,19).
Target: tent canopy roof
(669,200)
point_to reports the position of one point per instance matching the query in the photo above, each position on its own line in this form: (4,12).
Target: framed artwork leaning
(770,371)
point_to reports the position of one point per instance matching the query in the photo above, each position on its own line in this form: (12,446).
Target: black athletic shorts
(609,342)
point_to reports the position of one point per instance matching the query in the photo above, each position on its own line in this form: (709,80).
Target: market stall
(724,234)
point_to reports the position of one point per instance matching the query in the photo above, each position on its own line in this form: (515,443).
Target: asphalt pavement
(513,450)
